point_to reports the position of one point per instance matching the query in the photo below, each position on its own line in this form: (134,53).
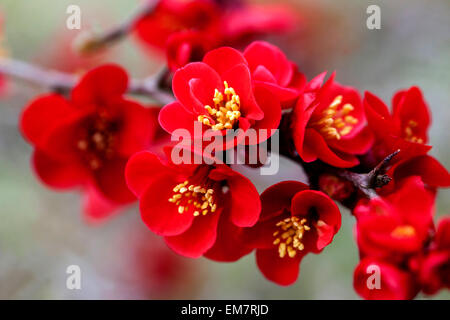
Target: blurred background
(42,231)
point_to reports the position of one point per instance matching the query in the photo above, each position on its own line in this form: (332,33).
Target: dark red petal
(96,208)
(442,238)
(194,85)
(278,197)
(160,215)
(272,112)
(414,203)
(110,179)
(378,117)
(410,105)
(174,116)
(262,74)
(223,59)
(239,79)
(261,236)
(315,144)
(428,168)
(286,96)
(245,202)
(230,244)
(200,237)
(263,53)
(41,115)
(138,126)
(61,141)
(59,174)
(141,169)
(283,271)
(358,144)
(104,83)
(301,114)
(395,284)
(329,217)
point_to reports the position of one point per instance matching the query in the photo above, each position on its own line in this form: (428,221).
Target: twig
(91,42)
(64,82)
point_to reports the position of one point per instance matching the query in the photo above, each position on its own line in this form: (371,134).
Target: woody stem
(63,83)
(94,42)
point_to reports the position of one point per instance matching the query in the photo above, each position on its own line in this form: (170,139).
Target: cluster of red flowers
(99,140)
(186,30)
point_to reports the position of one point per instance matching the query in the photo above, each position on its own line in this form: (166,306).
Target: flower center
(409,132)
(197,197)
(289,237)
(335,120)
(226,110)
(404,231)
(97,142)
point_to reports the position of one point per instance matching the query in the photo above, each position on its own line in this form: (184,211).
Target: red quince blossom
(294,221)
(335,187)
(225,23)
(85,140)
(271,68)
(396,225)
(405,129)
(430,171)
(247,22)
(434,270)
(328,123)
(171,16)
(187,46)
(394,283)
(219,93)
(185,202)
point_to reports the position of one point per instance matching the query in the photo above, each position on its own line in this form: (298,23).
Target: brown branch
(64,82)
(91,42)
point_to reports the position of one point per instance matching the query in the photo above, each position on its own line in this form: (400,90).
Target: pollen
(409,132)
(197,197)
(289,236)
(336,121)
(404,231)
(226,110)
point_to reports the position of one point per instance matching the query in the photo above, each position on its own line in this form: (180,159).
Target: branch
(90,42)
(365,182)
(62,82)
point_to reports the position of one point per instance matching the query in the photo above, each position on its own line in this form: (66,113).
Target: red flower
(245,23)
(406,129)
(85,141)
(294,221)
(270,67)
(219,93)
(335,187)
(397,224)
(187,46)
(434,273)
(224,23)
(171,16)
(393,283)
(185,203)
(328,123)
(432,173)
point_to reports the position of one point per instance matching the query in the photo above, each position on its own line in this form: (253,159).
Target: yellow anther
(193,196)
(226,110)
(292,231)
(335,120)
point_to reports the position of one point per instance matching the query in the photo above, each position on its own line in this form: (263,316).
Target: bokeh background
(42,231)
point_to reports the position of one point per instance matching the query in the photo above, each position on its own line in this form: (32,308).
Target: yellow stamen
(289,242)
(188,195)
(336,123)
(226,111)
